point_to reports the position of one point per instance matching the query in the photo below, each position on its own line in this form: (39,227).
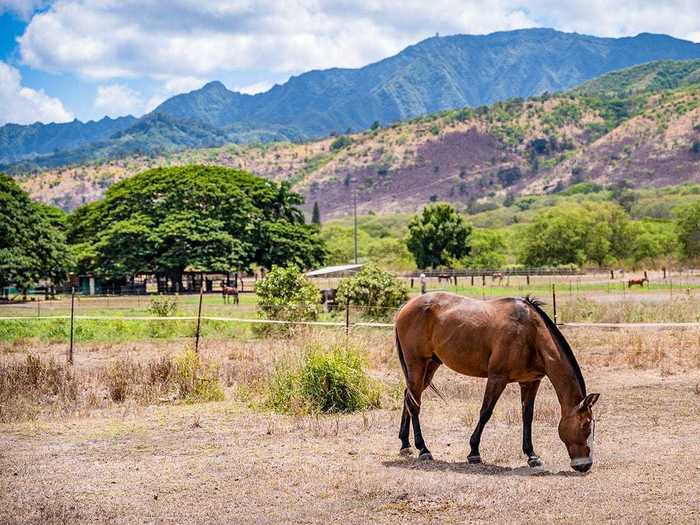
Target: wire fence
(585,301)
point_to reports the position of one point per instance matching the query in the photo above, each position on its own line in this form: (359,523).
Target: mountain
(624,127)
(19,142)
(437,74)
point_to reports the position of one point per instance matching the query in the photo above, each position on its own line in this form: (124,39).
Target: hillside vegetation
(437,74)
(477,158)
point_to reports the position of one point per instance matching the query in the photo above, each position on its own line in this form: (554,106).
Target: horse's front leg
(494,388)
(528,392)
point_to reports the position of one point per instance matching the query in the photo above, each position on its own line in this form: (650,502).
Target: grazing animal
(444,277)
(229,291)
(504,340)
(328,298)
(497,275)
(637,282)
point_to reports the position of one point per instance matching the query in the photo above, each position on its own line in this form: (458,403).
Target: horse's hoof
(474,460)
(426,456)
(406,451)
(534,462)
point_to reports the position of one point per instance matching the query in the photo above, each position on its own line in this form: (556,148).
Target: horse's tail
(404,368)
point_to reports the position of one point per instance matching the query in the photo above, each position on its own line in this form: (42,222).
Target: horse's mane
(559,339)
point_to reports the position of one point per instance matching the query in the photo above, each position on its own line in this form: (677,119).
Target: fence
(579,303)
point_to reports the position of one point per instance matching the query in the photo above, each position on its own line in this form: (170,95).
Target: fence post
(72,315)
(554,302)
(347,318)
(199,320)
(38,307)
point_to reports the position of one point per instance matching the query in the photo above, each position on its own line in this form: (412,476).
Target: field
(79,453)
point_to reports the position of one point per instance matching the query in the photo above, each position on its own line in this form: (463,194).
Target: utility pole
(354,212)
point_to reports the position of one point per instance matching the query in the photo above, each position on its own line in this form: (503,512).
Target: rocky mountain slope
(645,134)
(437,74)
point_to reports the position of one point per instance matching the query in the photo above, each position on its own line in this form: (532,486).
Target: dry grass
(233,462)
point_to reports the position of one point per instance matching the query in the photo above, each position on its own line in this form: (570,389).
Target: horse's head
(577,430)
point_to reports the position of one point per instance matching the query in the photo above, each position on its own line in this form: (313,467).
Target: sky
(85,59)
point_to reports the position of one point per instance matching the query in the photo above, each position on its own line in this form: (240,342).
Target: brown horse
(227,291)
(503,340)
(637,282)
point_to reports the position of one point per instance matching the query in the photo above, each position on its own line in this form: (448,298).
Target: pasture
(74,453)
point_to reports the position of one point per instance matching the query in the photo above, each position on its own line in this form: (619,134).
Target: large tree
(688,228)
(32,239)
(576,234)
(211,218)
(438,236)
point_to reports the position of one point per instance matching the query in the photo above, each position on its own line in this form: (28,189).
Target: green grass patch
(322,380)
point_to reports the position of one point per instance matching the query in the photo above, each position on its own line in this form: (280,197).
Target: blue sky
(84,59)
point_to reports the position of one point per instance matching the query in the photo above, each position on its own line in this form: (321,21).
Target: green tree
(316,215)
(287,294)
(576,234)
(688,228)
(488,249)
(32,239)
(207,217)
(438,236)
(375,291)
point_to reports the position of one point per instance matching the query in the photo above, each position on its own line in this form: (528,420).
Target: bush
(340,143)
(196,380)
(323,381)
(286,294)
(376,290)
(162,306)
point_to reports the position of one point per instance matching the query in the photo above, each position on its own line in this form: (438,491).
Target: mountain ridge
(435,74)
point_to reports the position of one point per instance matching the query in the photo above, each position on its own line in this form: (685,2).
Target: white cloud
(252,89)
(180,39)
(23,105)
(117,100)
(22,8)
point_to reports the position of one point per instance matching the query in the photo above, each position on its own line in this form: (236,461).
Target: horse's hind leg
(411,411)
(494,389)
(405,427)
(528,392)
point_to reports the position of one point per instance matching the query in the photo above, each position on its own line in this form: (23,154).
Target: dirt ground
(228,463)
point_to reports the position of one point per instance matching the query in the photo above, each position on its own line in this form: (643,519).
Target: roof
(330,270)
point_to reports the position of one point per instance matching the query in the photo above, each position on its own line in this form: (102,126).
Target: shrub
(376,290)
(162,306)
(323,381)
(340,143)
(196,380)
(122,378)
(286,294)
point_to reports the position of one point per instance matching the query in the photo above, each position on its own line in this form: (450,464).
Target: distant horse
(229,291)
(497,275)
(444,277)
(328,298)
(637,282)
(504,340)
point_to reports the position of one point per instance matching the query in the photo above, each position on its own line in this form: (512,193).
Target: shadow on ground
(482,469)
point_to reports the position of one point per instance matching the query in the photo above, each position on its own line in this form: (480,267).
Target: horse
(637,282)
(444,277)
(328,298)
(497,275)
(503,340)
(227,291)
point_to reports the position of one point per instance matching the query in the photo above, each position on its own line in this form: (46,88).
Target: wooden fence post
(554,302)
(72,315)
(347,318)
(199,320)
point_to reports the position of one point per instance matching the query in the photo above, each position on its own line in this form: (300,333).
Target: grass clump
(197,381)
(330,380)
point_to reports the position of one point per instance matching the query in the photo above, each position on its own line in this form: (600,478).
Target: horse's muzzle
(582,464)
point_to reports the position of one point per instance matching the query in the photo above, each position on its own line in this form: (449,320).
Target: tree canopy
(688,228)
(206,217)
(438,236)
(576,234)
(32,239)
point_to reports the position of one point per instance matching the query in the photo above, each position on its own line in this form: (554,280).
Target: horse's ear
(588,402)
